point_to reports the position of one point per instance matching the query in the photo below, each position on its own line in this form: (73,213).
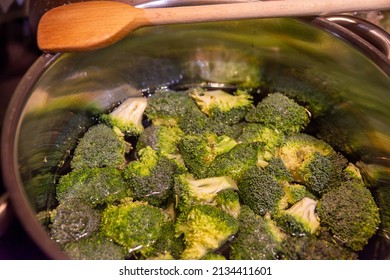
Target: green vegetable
(198,151)
(205,228)
(323,247)
(134,225)
(73,220)
(281,113)
(312,162)
(95,247)
(300,219)
(229,201)
(257,238)
(127,116)
(150,178)
(100,146)
(189,191)
(224,107)
(351,214)
(96,186)
(235,162)
(262,192)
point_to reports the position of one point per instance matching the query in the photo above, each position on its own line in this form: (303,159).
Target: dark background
(18,51)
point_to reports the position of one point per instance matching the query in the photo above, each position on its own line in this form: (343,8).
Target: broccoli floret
(235,162)
(257,238)
(234,131)
(300,219)
(352,172)
(163,139)
(351,214)
(168,245)
(222,106)
(100,146)
(128,116)
(195,121)
(94,186)
(261,191)
(313,248)
(294,193)
(276,167)
(150,178)
(73,220)
(281,113)
(95,247)
(168,107)
(198,151)
(173,108)
(229,201)
(205,228)
(189,191)
(270,138)
(134,225)
(214,256)
(304,86)
(312,162)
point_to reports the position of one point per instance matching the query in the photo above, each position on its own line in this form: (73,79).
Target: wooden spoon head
(86,26)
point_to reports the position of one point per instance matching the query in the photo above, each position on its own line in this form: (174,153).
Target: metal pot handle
(369,38)
(370,32)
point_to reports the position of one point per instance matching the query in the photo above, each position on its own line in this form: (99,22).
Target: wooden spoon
(91,25)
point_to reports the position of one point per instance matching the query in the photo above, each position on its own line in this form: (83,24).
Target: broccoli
(235,162)
(127,116)
(134,225)
(204,228)
(163,139)
(150,178)
(168,245)
(281,113)
(214,257)
(95,247)
(312,162)
(194,121)
(168,107)
(300,219)
(256,132)
(262,192)
(314,248)
(100,146)
(234,131)
(229,201)
(257,238)
(198,151)
(189,191)
(352,172)
(276,167)
(73,220)
(351,214)
(94,186)
(306,86)
(224,107)
(294,193)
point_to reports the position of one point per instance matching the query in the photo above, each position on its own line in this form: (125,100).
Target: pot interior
(282,55)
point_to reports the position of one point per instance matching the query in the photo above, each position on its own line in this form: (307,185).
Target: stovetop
(17,53)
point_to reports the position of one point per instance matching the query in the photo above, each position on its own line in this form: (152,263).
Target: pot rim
(9,166)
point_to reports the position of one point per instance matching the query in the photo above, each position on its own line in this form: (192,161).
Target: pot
(51,107)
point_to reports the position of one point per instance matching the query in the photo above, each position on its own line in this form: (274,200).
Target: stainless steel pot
(51,106)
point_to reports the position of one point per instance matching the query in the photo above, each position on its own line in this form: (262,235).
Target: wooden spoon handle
(261,9)
(91,25)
